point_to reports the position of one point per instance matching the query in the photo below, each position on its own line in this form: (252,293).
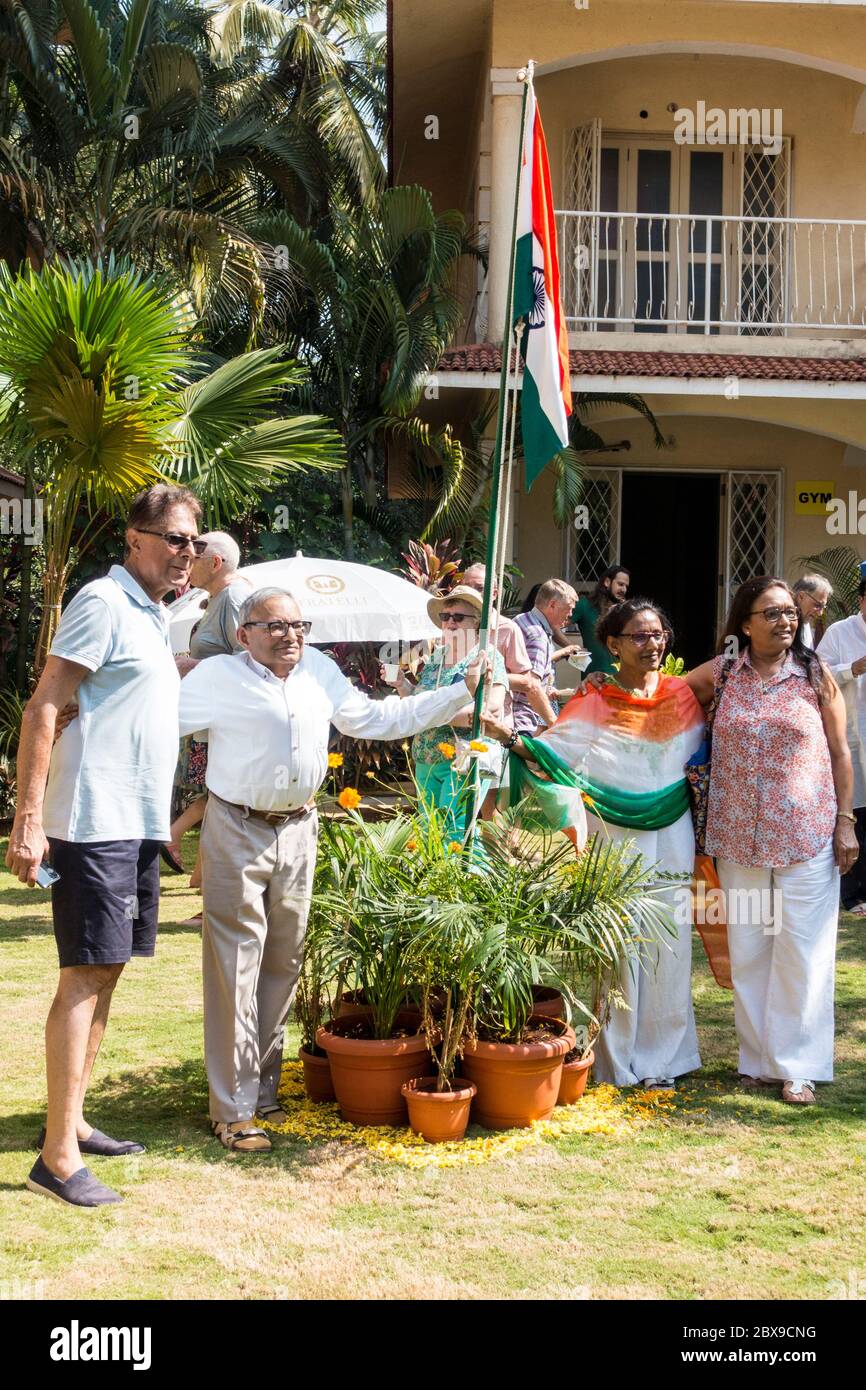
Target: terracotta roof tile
(486,357)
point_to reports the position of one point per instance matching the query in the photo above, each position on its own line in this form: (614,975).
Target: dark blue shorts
(106,901)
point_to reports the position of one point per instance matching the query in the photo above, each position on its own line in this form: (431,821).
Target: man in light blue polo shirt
(99,801)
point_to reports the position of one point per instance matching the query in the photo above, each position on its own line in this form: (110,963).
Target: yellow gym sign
(811,499)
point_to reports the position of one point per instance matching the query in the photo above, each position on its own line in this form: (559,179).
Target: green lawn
(727,1195)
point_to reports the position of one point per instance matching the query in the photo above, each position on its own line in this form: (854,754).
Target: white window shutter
(579,241)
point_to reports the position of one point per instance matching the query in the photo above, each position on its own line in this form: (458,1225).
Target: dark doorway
(670,542)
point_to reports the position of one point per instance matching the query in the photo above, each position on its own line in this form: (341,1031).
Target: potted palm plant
(371,1057)
(548,910)
(450,947)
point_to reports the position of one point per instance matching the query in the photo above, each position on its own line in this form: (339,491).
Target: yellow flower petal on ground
(603,1110)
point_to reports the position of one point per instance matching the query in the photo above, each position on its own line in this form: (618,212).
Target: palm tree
(144,128)
(379,308)
(334,65)
(106,396)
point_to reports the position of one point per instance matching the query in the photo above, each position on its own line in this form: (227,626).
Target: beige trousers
(257,881)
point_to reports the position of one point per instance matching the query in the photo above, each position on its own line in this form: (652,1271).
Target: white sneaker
(659,1083)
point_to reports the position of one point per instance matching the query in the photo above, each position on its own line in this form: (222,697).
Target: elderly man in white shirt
(843,648)
(267,711)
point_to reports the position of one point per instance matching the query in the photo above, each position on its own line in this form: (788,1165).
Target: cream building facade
(709,174)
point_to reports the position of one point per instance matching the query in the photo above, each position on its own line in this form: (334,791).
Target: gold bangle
(846,815)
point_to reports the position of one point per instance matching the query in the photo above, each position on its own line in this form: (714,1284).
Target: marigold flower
(455,847)
(349,798)
(478,745)
(411,844)
(587,800)
(335,760)
(447,750)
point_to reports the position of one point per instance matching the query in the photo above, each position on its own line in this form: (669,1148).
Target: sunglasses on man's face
(457,617)
(175,539)
(279,627)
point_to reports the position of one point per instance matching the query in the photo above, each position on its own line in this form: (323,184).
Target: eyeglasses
(457,617)
(175,539)
(641,639)
(279,627)
(773,615)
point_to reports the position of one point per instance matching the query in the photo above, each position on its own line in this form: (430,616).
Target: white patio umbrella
(345,602)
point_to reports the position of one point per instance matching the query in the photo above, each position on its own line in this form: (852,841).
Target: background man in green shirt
(611,588)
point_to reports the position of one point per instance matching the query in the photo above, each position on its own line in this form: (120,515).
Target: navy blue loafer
(102,1145)
(81,1190)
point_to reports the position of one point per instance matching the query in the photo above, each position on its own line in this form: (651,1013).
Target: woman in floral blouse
(781,827)
(442,756)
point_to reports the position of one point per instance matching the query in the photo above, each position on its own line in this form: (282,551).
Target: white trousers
(654,1033)
(782,942)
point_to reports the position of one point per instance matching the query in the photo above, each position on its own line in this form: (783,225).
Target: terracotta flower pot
(317,1076)
(517,1082)
(574,1078)
(351,1004)
(547,1002)
(438,1115)
(368,1073)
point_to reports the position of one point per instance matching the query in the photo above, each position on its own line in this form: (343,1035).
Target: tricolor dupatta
(545,389)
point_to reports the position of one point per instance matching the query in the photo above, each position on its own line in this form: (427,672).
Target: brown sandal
(272,1115)
(248,1139)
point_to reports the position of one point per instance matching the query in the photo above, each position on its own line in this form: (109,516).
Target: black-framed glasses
(641,639)
(457,617)
(773,615)
(279,627)
(175,539)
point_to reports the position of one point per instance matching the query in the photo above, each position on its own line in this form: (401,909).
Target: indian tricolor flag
(546,395)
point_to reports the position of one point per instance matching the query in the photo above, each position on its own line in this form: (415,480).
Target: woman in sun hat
(443,758)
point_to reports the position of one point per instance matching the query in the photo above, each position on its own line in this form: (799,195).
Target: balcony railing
(677,273)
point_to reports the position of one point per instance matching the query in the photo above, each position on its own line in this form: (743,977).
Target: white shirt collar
(264,671)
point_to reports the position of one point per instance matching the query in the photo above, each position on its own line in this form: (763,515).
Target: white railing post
(708,279)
